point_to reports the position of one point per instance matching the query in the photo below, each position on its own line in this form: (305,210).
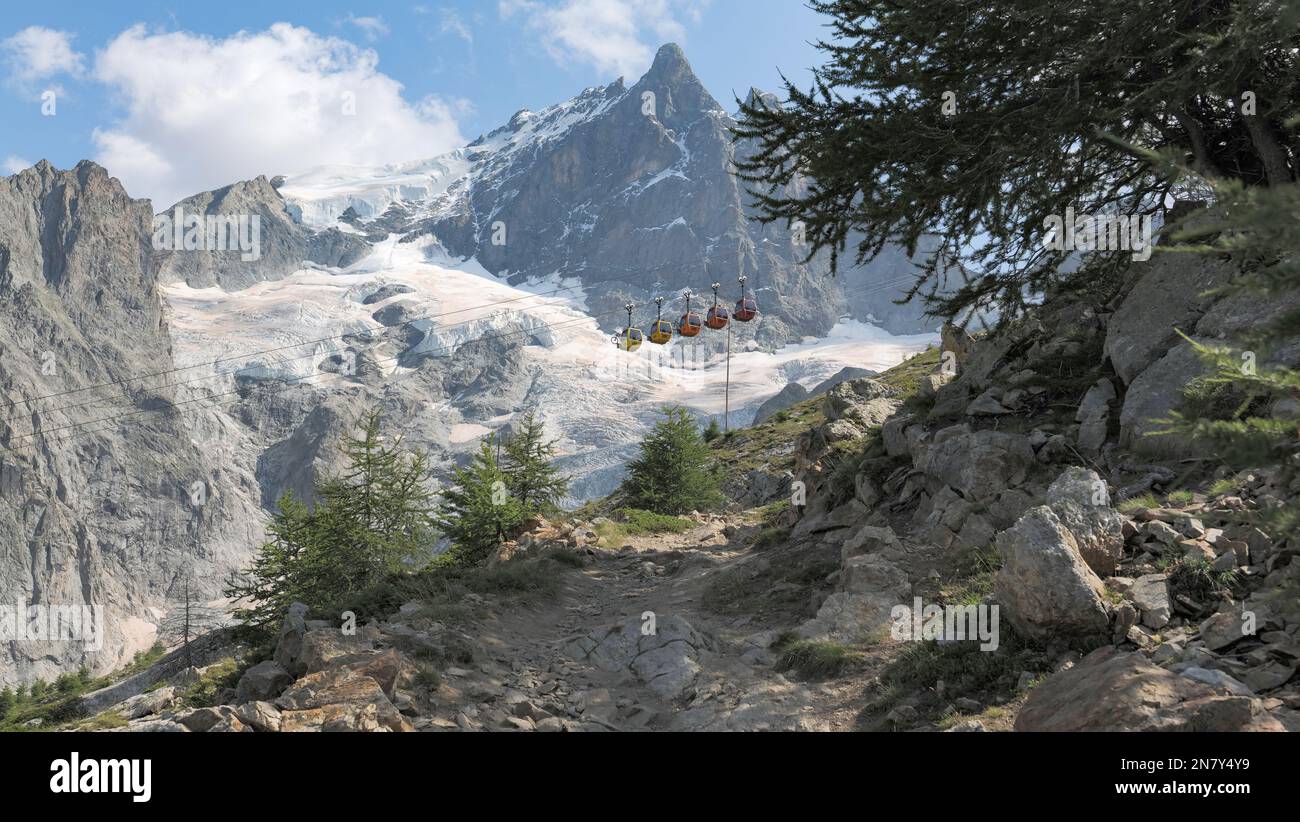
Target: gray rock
(843,375)
(1216,679)
(1110,690)
(1222,629)
(1150,594)
(1153,394)
(1081,500)
(986,405)
(94,516)
(980,464)
(1044,585)
(150,702)
(263,681)
(865,403)
(666,660)
(288,651)
(283,244)
(894,433)
(869,588)
(1168,294)
(260,716)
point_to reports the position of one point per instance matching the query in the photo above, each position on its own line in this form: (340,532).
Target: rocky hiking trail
(625,641)
(586,662)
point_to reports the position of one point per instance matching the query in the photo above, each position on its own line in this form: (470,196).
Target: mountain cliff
(117,513)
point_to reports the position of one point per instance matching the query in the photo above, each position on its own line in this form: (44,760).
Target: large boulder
(338,699)
(979,464)
(288,651)
(1150,595)
(870,587)
(1081,501)
(265,680)
(1153,395)
(865,403)
(1109,690)
(1047,589)
(1169,294)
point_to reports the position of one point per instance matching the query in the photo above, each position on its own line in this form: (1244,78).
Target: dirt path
(588,659)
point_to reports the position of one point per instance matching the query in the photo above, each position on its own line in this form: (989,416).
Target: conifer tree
(478,510)
(530,475)
(967,125)
(675,472)
(373,519)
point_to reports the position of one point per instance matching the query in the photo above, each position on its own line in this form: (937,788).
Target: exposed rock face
(792,394)
(1154,393)
(271,249)
(109,516)
(1168,294)
(870,588)
(979,464)
(1045,586)
(1110,690)
(664,660)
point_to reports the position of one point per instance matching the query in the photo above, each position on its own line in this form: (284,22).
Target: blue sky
(178,97)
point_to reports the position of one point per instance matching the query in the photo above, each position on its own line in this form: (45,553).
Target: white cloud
(614,36)
(372,27)
(12,164)
(453,24)
(201,113)
(37,54)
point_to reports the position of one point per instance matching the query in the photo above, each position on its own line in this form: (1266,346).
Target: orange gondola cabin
(691,323)
(718,315)
(746,306)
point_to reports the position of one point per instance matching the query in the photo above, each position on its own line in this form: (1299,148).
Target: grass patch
(964,669)
(223,674)
(1198,579)
(812,659)
(975,572)
(442,591)
(770,538)
(907,375)
(1134,504)
(1223,487)
(637,522)
(610,534)
(1179,498)
(104,721)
